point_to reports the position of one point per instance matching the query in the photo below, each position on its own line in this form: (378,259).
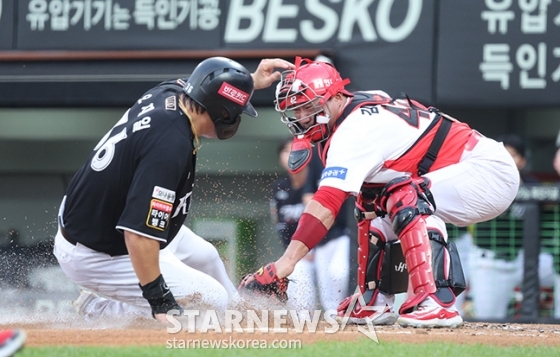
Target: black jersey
(288,208)
(138,178)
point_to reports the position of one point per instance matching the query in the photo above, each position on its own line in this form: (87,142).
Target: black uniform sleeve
(314,173)
(159,195)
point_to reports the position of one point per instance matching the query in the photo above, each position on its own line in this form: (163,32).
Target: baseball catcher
(420,157)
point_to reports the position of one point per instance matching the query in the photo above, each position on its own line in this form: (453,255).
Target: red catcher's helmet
(304,91)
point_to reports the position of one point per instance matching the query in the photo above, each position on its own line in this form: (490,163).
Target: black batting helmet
(223,87)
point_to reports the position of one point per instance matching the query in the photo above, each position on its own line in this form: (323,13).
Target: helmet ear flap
(227,130)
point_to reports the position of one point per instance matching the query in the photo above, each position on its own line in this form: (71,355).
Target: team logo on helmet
(234,94)
(321,83)
(223,87)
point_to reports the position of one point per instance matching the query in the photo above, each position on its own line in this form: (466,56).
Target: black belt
(67,237)
(65,234)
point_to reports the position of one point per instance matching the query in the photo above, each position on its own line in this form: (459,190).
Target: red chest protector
(423,154)
(420,158)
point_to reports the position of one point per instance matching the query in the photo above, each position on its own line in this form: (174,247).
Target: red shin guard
(363,253)
(418,255)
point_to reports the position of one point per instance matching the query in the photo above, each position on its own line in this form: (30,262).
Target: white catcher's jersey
(369,145)
(473,177)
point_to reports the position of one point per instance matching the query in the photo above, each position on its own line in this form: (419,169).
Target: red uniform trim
(450,152)
(310,230)
(331,198)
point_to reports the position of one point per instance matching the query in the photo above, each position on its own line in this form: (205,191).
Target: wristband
(159,297)
(310,230)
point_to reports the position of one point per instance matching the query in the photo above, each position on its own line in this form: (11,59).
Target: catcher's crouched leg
(438,309)
(429,304)
(374,298)
(264,283)
(448,271)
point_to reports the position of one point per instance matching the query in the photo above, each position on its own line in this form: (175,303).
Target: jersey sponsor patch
(159,214)
(235,95)
(171,103)
(334,172)
(163,194)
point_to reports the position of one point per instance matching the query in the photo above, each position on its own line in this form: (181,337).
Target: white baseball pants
(190,266)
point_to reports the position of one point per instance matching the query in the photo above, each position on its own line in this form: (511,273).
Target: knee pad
(408,201)
(405,199)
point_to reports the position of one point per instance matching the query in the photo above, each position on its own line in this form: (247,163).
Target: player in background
(121,234)
(286,207)
(412,169)
(324,271)
(332,254)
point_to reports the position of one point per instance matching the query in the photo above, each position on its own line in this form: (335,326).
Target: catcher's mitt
(265,282)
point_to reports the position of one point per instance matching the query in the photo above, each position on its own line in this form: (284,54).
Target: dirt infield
(470,333)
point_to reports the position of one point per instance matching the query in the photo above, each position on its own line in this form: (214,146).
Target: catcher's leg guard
(370,260)
(394,275)
(437,309)
(448,272)
(407,205)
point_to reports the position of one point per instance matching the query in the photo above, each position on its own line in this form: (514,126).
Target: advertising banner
(499,53)
(119,24)
(491,53)
(6,24)
(396,53)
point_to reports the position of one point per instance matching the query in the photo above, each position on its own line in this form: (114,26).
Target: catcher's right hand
(265,282)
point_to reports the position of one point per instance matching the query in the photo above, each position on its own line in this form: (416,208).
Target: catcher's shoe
(378,311)
(11,341)
(83,300)
(430,314)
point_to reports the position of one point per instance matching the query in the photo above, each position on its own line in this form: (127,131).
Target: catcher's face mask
(301,98)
